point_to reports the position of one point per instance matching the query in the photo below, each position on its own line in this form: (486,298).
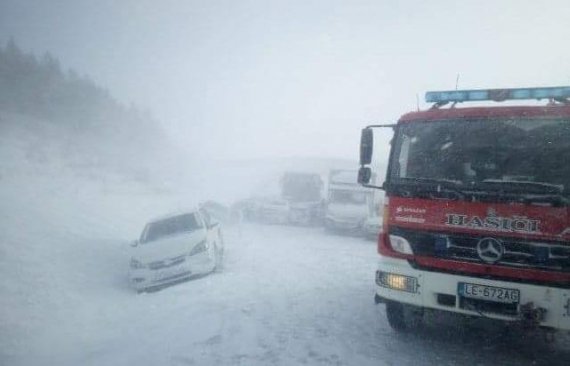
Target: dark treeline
(95,125)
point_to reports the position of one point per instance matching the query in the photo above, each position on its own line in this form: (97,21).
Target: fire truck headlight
(400,245)
(397,282)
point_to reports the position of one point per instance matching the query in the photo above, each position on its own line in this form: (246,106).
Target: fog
(254,79)
(115,112)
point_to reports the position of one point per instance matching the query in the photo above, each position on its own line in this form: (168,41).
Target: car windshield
(171,226)
(477,153)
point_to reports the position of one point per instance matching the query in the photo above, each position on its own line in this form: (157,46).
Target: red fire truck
(476,217)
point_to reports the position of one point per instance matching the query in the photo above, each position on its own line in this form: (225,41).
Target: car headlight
(199,248)
(136,264)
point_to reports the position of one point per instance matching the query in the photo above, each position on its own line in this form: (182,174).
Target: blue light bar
(498,95)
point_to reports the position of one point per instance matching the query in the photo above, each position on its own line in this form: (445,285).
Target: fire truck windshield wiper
(527,191)
(553,199)
(529,187)
(435,185)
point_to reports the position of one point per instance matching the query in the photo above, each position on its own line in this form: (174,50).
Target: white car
(176,247)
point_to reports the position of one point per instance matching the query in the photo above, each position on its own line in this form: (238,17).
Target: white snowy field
(287,295)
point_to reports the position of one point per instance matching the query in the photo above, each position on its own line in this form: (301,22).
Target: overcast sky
(240,79)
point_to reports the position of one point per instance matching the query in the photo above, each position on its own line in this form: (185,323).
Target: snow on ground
(287,295)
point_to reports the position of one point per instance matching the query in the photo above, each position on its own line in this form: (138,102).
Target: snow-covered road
(287,295)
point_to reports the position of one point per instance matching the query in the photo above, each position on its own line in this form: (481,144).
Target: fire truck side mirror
(364,175)
(366,144)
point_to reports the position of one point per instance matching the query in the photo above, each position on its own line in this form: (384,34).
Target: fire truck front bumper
(397,280)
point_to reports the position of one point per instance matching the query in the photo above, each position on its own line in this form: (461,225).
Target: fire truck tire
(402,317)
(395,315)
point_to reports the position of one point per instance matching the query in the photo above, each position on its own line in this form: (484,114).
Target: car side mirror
(134,243)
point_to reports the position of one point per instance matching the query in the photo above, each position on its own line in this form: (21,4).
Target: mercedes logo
(490,250)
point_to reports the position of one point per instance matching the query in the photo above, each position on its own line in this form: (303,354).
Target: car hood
(168,247)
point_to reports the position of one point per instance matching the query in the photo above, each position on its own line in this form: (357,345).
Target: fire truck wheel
(403,317)
(395,315)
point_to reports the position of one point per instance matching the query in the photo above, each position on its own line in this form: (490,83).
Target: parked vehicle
(245,209)
(218,212)
(176,247)
(476,215)
(273,210)
(303,193)
(347,203)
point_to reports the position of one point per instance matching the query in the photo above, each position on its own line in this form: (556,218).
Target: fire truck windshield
(515,155)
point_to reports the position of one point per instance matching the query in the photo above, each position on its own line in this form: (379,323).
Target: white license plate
(489,293)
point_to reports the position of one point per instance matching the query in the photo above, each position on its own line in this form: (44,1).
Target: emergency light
(498,95)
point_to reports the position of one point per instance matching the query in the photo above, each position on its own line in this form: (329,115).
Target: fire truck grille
(553,256)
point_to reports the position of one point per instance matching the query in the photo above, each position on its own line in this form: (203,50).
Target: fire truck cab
(476,212)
